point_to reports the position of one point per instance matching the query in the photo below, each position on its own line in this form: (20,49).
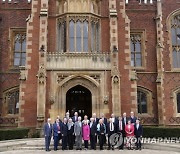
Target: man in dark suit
(70,134)
(64,132)
(111,129)
(96,120)
(121,130)
(56,132)
(101,130)
(75,117)
(48,133)
(105,122)
(124,120)
(93,132)
(138,131)
(114,119)
(132,118)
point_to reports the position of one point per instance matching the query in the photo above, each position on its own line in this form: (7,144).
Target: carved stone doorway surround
(61,83)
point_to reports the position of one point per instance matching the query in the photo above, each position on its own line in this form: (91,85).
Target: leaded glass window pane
(142,102)
(175,37)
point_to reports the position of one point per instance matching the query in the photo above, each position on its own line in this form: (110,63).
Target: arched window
(175,36)
(142,102)
(178,102)
(12,101)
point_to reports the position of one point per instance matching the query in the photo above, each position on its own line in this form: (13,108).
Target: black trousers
(56,141)
(64,142)
(70,141)
(138,143)
(121,147)
(101,141)
(93,141)
(86,144)
(47,142)
(109,135)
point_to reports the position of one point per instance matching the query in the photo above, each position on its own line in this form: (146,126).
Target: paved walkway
(36,146)
(90,152)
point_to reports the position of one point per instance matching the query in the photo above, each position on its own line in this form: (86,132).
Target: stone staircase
(38,144)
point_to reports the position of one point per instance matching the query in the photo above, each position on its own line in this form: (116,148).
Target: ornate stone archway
(59,106)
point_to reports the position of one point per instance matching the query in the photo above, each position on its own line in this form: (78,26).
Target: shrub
(161,132)
(15,133)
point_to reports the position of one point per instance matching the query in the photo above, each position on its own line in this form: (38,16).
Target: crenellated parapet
(141,1)
(15,1)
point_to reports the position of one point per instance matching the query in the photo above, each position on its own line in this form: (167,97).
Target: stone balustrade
(15,1)
(78,61)
(142,1)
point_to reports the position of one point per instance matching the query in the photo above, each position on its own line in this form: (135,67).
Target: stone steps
(38,144)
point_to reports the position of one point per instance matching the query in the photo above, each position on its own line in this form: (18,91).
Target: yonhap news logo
(116,140)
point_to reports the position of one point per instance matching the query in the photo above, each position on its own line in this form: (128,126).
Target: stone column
(116,96)
(160,63)
(41,88)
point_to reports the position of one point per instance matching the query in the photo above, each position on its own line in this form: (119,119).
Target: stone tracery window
(178,102)
(142,102)
(136,50)
(12,101)
(175,36)
(83,34)
(19,48)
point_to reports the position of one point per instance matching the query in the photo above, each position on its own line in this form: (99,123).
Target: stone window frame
(149,102)
(5,101)
(141,32)
(12,33)
(174,96)
(169,41)
(90,18)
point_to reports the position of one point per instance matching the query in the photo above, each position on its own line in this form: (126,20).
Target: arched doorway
(79,99)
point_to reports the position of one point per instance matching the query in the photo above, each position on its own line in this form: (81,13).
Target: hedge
(16,133)
(160,132)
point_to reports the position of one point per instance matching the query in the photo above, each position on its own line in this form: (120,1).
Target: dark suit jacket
(138,132)
(108,128)
(73,119)
(124,124)
(47,130)
(55,129)
(96,121)
(64,129)
(71,131)
(93,129)
(133,120)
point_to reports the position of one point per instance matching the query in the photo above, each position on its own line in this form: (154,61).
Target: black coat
(71,131)
(108,128)
(73,119)
(138,132)
(124,124)
(93,129)
(64,129)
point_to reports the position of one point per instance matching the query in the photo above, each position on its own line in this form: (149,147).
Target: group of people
(74,130)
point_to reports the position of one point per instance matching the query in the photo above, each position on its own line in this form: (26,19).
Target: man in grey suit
(78,134)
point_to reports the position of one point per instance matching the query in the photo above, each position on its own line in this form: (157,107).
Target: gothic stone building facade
(102,56)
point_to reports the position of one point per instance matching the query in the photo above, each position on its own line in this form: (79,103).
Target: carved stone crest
(41,74)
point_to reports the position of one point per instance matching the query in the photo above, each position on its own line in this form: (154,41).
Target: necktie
(120,128)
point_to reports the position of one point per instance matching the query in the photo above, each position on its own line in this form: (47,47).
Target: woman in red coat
(129,129)
(86,134)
